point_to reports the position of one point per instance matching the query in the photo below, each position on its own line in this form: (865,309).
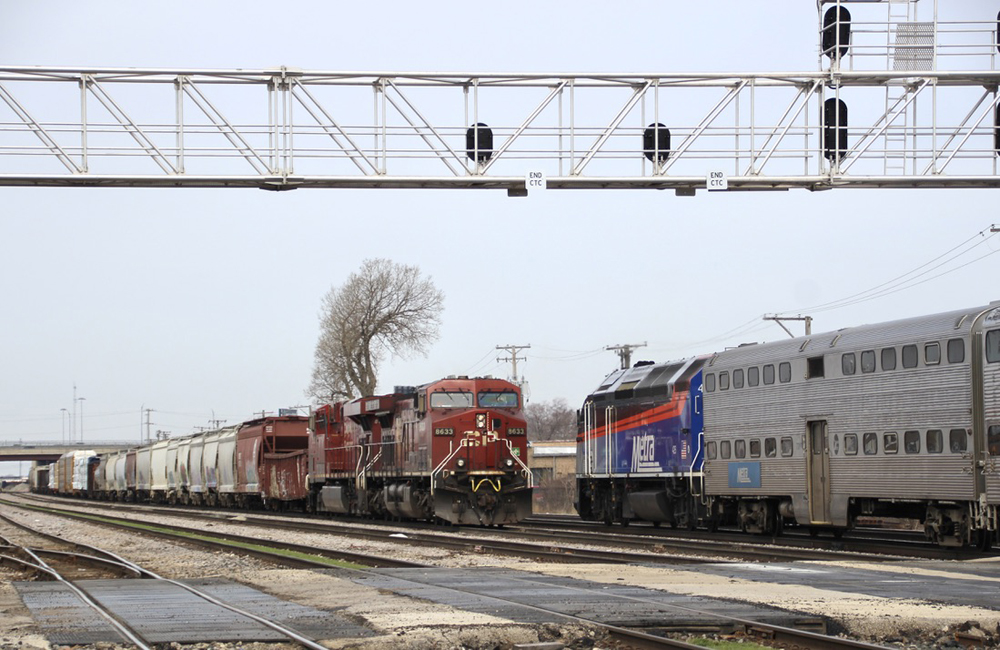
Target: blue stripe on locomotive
(669,446)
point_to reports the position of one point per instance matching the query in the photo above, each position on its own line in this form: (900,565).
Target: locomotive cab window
(890,443)
(958,441)
(451,400)
(956,351)
(784,372)
(871,444)
(504,399)
(935,441)
(868,361)
(786,447)
(932,354)
(851,444)
(911,442)
(770,447)
(848,363)
(993,346)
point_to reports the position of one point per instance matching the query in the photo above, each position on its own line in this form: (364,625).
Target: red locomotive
(454,449)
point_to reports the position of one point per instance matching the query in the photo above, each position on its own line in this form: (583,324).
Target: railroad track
(30,559)
(631,638)
(565,543)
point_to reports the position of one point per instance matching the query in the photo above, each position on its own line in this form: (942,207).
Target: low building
(553,464)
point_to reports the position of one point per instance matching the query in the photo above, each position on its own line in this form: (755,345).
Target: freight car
(898,419)
(452,450)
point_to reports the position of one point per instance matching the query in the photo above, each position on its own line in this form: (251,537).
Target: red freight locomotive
(454,449)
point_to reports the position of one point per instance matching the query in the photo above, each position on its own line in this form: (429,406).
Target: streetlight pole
(65,412)
(80,399)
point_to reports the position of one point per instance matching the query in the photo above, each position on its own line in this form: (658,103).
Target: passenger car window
(993,440)
(868,361)
(738,378)
(890,443)
(710,383)
(786,447)
(770,447)
(935,441)
(958,441)
(740,447)
(889,359)
(784,372)
(768,374)
(993,346)
(711,451)
(956,351)
(910,356)
(871,444)
(723,381)
(851,444)
(753,376)
(932,354)
(755,448)
(848,363)
(911,442)
(725,449)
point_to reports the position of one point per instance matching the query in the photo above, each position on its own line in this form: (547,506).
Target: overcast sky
(204,304)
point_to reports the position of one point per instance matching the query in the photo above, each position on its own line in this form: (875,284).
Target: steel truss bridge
(915,105)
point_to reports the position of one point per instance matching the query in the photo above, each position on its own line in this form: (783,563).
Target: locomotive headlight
(460,463)
(510,462)
(481,421)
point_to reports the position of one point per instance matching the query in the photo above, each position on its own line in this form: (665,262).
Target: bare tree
(383,308)
(553,420)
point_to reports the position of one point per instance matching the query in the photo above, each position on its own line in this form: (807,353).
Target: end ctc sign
(716,181)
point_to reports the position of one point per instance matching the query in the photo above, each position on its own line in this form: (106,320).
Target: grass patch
(717,644)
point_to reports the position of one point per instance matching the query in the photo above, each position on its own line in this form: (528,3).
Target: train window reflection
(504,399)
(956,351)
(784,372)
(451,400)
(958,441)
(935,441)
(740,447)
(753,376)
(993,440)
(993,346)
(770,447)
(871,444)
(932,354)
(868,361)
(710,383)
(911,442)
(890,442)
(768,374)
(725,449)
(710,451)
(910,356)
(851,444)
(889,359)
(786,447)
(723,381)
(755,449)
(849,363)
(738,378)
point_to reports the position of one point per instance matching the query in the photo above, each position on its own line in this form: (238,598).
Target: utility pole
(148,423)
(513,358)
(625,352)
(777,319)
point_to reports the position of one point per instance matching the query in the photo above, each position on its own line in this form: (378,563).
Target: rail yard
(343,583)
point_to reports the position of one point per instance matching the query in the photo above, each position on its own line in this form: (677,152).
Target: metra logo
(644,454)
(743,475)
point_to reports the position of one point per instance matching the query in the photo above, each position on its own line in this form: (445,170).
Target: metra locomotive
(454,450)
(899,419)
